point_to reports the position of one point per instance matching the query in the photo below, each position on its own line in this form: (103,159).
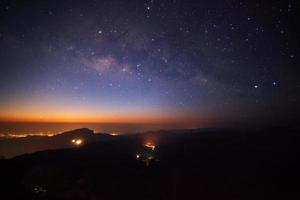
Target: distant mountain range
(183,164)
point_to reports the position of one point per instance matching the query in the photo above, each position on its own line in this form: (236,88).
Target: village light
(114,134)
(77,142)
(150,145)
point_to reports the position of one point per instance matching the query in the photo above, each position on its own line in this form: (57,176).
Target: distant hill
(17,146)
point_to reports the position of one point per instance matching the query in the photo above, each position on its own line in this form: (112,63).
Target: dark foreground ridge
(186,164)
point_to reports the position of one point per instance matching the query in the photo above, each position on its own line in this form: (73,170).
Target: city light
(21,135)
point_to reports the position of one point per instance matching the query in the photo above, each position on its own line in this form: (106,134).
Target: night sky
(204,62)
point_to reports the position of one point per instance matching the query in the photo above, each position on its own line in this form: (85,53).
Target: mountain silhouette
(17,146)
(185,164)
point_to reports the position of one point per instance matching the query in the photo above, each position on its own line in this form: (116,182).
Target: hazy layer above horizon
(21,128)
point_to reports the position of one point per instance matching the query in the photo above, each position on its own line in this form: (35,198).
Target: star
(194,52)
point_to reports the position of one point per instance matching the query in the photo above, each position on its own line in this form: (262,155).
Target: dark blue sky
(217,62)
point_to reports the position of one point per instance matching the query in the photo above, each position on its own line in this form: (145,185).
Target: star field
(211,63)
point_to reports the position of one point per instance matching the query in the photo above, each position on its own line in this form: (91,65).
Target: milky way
(217,62)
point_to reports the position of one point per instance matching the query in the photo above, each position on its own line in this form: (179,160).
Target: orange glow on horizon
(66,112)
(47,112)
(103,119)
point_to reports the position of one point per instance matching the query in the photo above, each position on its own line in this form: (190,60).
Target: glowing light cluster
(149,145)
(77,142)
(114,134)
